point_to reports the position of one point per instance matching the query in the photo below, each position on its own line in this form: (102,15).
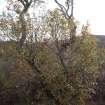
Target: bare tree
(66,9)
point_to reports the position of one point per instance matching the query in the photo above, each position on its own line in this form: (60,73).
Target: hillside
(101,40)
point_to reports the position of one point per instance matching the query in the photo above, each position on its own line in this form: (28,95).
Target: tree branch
(65,10)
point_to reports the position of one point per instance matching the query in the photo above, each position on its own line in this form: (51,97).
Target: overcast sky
(85,10)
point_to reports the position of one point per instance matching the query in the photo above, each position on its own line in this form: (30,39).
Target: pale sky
(85,10)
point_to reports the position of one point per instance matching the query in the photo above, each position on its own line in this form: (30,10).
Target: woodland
(44,60)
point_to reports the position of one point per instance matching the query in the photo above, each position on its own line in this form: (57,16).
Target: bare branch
(65,10)
(72,8)
(22,2)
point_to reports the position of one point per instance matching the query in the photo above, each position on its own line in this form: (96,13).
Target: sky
(2,3)
(84,10)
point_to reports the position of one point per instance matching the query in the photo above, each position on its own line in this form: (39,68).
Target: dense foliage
(47,63)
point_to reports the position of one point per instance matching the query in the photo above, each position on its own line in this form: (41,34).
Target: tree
(66,9)
(63,65)
(21,7)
